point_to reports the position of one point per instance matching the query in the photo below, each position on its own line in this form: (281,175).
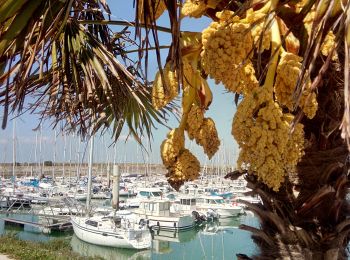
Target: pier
(60,226)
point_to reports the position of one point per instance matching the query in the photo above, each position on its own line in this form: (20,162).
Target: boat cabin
(155,208)
(186,204)
(210,200)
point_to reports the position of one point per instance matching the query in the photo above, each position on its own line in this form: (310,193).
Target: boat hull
(105,238)
(170,223)
(223,212)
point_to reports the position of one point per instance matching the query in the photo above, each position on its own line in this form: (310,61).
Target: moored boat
(219,205)
(158,215)
(112,232)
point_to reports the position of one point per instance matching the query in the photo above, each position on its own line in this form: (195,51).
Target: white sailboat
(113,231)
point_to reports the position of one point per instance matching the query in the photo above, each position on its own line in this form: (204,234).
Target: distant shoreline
(101,169)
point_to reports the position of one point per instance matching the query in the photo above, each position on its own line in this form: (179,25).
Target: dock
(61,226)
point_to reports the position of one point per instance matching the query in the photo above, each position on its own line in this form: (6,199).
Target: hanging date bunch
(262,125)
(273,92)
(180,163)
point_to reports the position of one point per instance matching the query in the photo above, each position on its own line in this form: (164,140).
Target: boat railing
(10,204)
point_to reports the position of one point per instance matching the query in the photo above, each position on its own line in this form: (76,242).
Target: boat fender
(142,222)
(195,215)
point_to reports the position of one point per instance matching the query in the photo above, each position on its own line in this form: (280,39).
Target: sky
(52,145)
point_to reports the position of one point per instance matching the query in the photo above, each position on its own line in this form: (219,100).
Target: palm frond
(71,69)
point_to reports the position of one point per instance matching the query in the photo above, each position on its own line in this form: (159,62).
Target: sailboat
(114,231)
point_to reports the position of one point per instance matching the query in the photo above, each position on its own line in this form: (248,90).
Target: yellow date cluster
(263,133)
(197,8)
(287,75)
(161,95)
(208,138)
(203,130)
(186,168)
(181,164)
(271,144)
(261,34)
(171,147)
(194,121)
(226,48)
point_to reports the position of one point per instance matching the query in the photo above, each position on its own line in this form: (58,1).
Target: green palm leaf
(71,70)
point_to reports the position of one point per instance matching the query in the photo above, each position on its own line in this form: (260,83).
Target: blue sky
(28,142)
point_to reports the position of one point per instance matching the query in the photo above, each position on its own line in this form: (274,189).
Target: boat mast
(88,199)
(36,151)
(64,157)
(70,160)
(40,152)
(78,161)
(54,156)
(14,154)
(115,189)
(114,161)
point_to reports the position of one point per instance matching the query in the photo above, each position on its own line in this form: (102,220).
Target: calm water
(221,240)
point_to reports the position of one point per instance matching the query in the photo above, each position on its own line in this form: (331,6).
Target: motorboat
(79,194)
(188,205)
(250,199)
(158,216)
(218,204)
(143,194)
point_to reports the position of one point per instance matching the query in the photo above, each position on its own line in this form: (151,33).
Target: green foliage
(54,249)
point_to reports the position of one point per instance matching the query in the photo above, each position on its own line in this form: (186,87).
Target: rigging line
(202,247)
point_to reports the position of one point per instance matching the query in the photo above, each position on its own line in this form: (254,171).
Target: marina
(206,242)
(151,220)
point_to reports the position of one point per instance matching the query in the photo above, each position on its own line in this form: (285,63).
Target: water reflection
(90,250)
(175,236)
(218,240)
(28,232)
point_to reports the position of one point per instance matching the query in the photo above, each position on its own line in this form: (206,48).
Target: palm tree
(307,215)
(59,60)
(62,54)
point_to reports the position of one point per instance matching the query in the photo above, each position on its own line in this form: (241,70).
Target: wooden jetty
(60,226)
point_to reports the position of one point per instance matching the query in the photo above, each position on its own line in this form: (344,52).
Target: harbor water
(217,240)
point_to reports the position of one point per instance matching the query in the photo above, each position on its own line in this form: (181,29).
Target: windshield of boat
(150,193)
(156,194)
(217,201)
